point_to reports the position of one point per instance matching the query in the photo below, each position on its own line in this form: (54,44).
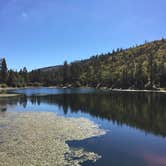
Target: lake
(135,122)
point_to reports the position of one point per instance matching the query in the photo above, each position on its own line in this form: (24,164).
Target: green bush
(3,85)
(37,84)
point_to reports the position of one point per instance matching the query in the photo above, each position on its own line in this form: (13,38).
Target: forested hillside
(138,67)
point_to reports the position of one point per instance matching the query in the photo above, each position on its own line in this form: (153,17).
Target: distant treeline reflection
(143,111)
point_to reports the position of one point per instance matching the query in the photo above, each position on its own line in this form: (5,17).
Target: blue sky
(38,33)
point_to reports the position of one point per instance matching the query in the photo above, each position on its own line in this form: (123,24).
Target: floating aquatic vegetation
(40,139)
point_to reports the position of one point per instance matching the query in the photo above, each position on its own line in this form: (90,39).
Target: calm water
(135,122)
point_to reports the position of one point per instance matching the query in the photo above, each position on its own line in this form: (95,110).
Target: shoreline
(135,90)
(101,88)
(8,95)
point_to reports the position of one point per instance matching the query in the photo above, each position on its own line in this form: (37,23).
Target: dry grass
(8,95)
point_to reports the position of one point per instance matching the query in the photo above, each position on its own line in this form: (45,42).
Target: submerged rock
(40,139)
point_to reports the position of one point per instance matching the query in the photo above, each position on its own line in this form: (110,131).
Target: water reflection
(143,111)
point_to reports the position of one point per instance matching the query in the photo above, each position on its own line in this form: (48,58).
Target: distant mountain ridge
(50,68)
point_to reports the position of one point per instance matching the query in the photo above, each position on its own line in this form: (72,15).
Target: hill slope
(139,67)
(51,68)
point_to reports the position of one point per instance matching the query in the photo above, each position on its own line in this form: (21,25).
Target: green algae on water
(35,138)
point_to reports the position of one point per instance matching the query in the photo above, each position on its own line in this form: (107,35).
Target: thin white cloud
(24,15)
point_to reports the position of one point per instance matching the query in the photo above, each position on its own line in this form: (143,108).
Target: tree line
(12,78)
(138,67)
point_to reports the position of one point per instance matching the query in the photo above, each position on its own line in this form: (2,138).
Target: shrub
(3,85)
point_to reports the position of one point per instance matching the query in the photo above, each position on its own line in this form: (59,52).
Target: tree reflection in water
(143,111)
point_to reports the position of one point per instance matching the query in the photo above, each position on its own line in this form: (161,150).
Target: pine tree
(3,71)
(66,73)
